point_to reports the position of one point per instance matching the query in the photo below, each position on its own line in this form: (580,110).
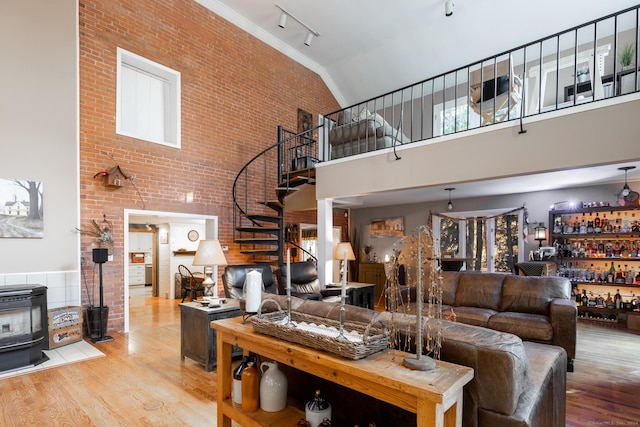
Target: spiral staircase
(261,189)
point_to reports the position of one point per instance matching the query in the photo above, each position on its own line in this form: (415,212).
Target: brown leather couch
(535,308)
(515,383)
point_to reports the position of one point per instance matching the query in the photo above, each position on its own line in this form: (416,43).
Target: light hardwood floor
(142,382)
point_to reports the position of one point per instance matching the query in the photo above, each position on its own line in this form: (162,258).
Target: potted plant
(626,55)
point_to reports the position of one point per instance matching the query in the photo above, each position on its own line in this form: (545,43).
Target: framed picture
(22,210)
(387,227)
(305,120)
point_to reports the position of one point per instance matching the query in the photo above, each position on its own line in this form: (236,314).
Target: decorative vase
(273,388)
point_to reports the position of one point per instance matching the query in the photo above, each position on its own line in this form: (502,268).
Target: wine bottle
(618,300)
(237,380)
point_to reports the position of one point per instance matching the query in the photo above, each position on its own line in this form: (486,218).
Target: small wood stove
(24,330)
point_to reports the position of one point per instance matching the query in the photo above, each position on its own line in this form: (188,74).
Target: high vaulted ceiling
(370,47)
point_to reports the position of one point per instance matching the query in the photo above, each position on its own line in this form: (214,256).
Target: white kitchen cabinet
(140,242)
(137,274)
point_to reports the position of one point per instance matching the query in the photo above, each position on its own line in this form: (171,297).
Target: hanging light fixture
(449,205)
(625,190)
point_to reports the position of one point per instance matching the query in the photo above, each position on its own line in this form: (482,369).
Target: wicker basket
(362,339)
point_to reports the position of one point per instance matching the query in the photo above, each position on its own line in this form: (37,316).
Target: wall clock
(193,235)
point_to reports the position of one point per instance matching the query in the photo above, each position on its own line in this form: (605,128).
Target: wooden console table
(197,339)
(434,396)
(360,294)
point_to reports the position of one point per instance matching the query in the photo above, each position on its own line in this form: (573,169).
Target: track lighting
(449,205)
(307,41)
(283,20)
(448,7)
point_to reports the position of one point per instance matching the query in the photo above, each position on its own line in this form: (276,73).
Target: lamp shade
(540,232)
(209,253)
(341,249)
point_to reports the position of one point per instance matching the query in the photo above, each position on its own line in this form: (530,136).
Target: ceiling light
(625,190)
(307,41)
(448,7)
(283,20)
(449,205)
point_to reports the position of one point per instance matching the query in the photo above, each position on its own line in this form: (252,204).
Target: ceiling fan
(627,194)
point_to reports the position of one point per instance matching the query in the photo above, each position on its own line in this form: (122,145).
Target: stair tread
(256,229)
(260,251)
(262,216)
(267,240)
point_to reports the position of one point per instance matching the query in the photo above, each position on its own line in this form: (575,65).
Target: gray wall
(39,138)
(537,204)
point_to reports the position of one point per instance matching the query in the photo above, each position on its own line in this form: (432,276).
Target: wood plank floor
(142,382)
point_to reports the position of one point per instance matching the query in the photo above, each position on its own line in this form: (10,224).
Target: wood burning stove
(24,331)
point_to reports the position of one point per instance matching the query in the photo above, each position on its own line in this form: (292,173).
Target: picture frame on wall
(305,120)
(387,227)
(21,215)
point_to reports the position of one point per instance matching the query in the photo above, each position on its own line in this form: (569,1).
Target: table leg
(224,378)
(429,413)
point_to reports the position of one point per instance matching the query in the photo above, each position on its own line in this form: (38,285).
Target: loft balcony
(593,63)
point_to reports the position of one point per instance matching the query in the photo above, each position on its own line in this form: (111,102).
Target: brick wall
(235,91)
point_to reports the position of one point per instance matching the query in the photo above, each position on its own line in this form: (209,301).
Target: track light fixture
(449,205)
(307,40)
(283,21)
(448,7)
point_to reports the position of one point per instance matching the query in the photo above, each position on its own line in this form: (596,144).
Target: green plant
(626,55)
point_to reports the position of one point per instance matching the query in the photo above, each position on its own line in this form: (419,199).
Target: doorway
(309,241)
(174,231)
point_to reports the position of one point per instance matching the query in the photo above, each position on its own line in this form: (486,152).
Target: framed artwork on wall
(387,227)
(305,119)
(21,212)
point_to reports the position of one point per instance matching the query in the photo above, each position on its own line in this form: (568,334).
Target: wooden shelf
(289,416)
(184,253)
(632,234)
(626,285)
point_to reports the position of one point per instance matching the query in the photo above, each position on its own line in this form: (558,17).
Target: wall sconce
(540,234)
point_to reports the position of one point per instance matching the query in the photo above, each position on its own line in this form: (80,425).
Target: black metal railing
(587,63)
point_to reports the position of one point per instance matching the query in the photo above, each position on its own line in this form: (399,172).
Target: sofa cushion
(535,327)
(480,290)
(532,294)
(474,315)
(449,286)
(352,131)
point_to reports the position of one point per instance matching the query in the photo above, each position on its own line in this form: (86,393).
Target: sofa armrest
(564,318)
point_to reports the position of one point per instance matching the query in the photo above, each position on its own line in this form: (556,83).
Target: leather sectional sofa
(515,383)
(535,308)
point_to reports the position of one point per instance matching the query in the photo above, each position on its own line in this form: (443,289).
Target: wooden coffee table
(434,396)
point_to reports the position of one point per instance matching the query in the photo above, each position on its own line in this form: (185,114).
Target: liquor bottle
(631,276)
(619,276)
(638,277)
(608,303)
(604,223)
(618,300)
(583,226)
(596,224)
(250,388)
(585,298)
(325,422)
(612,273)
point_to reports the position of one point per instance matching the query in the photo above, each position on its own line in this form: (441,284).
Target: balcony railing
(587,63)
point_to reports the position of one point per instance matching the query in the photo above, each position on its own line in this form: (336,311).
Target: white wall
(39,139)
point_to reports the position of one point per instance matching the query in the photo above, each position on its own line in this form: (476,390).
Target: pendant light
(449,205)
(625,190)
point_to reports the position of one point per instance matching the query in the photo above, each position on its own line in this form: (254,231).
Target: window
(147,100)
(493,239)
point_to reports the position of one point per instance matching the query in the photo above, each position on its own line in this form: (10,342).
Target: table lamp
(540,234)
(209,253)
(343,252)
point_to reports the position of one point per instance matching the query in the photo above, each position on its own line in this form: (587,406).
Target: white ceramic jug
(273,388)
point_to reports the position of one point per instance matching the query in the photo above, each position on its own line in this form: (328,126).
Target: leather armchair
(234,277)
(305,283)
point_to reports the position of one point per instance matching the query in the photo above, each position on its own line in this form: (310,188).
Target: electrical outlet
(225,248)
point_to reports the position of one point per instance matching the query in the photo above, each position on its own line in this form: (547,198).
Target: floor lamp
(100,256)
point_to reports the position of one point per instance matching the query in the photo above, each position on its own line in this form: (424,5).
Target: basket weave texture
(374,337)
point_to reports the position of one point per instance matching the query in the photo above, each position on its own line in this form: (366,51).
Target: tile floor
(69,353)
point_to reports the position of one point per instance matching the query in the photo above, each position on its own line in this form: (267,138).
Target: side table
(197,339)
(360,294)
